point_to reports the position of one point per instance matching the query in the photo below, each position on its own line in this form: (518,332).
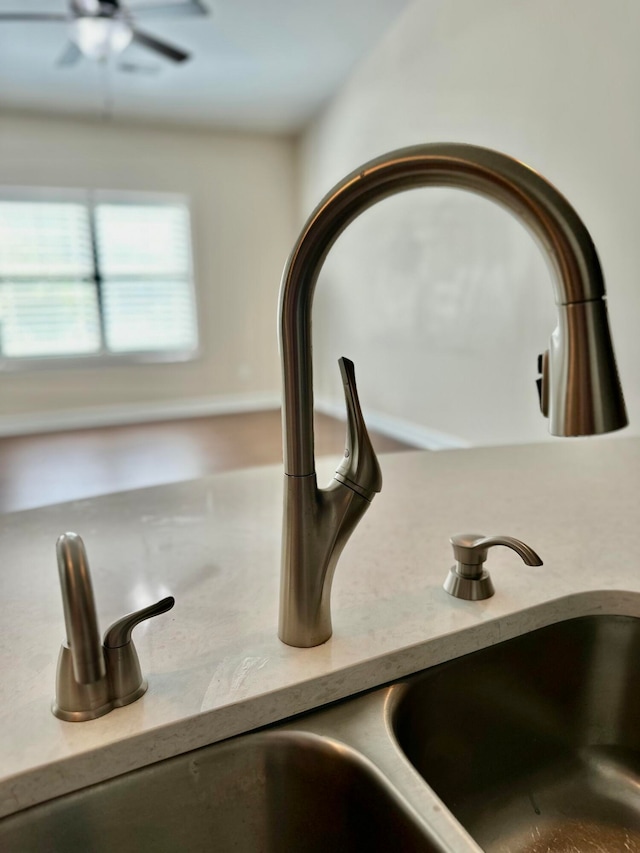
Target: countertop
(214,663)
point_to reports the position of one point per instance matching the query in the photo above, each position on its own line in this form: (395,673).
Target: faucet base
(317,525)
(76,702)
(80,716)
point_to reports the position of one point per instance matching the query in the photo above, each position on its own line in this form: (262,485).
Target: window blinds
(145,263)
(110,277)
(48,303)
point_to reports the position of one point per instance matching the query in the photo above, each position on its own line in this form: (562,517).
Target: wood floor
(37,470)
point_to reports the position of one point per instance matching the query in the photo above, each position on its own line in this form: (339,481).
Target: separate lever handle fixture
(119,634)
(468,579)
(94,678)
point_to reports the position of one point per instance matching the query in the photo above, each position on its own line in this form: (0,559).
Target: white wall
(441,298)
(242,192)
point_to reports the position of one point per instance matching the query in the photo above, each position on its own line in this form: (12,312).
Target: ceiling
(264,65)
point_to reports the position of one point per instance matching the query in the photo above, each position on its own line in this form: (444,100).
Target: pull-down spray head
(579,388)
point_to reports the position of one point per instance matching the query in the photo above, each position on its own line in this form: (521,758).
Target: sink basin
(271,792)
(534,744)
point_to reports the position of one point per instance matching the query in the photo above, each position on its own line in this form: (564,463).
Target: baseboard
(411,433)
(134,413)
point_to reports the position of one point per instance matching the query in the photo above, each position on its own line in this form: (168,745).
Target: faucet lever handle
(125,676)
(468,579)
(119,634)
(359,469)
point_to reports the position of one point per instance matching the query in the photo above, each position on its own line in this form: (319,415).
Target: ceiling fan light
(100,38)
(85,7)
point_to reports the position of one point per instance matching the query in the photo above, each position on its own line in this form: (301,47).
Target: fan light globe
(100,38)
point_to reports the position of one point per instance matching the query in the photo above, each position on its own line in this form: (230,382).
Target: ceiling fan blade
(69,56)
(161,47)
(172,9)
(31,16)
(131,68)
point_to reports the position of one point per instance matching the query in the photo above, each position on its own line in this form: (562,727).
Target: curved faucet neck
(79,606)
(548,215)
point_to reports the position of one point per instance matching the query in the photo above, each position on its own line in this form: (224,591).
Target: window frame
(91,198)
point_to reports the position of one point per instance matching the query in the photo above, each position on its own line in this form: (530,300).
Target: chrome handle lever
(359,470)
(468,579)
(119,634)
(123,667)
(92,679)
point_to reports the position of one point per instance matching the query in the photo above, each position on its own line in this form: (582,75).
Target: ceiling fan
(100,29)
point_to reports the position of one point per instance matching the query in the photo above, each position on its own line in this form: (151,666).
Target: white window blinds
(95,278)
(145,262)
(48,302)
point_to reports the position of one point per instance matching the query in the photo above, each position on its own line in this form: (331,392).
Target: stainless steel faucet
(94,678)
(578,386)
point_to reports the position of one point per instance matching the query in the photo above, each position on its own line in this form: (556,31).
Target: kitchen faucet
(578,384)
(92,677)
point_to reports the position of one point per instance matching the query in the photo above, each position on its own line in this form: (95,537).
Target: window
(94,275)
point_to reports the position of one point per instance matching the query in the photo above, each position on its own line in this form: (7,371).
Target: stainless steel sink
(534,744)
(271,792)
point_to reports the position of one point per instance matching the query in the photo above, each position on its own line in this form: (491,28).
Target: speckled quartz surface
(214,664)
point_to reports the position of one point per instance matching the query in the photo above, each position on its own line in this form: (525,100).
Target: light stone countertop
(214,664)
